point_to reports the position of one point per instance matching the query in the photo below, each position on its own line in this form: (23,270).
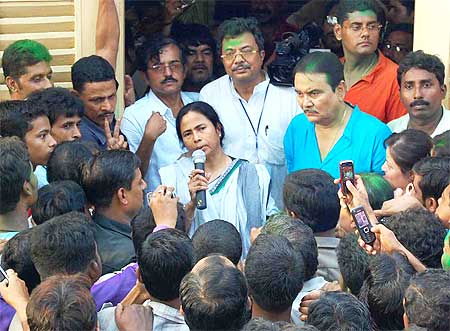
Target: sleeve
(132,132)
(379,149)
(395,108)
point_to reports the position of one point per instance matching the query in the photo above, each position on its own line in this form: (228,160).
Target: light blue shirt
(41,174)
(167,147)
(362,141)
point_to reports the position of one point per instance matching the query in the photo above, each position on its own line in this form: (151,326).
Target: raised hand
(164,206)
(128,93)
(156,126)
(133,317)
(115,140)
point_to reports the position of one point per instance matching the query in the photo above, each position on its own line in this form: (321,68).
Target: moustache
(199,66)
(241,66)
(169,79)
(306,111)
(419,103)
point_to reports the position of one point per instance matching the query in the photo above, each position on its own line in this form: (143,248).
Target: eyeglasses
(371,27)
(395,48)
(245,53)
(173,66)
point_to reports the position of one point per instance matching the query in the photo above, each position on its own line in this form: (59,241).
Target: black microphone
(199,158)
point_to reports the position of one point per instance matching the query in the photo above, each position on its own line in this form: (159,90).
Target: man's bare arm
(107,31)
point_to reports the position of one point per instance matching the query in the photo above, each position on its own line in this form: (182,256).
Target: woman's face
(198,132)
(393,174)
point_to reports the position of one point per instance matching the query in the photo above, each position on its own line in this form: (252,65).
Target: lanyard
(260,116)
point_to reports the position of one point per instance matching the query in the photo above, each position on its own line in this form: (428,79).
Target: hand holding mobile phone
(347,172)
(363,224)
(3,276)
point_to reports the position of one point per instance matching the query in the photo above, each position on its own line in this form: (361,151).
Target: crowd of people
(111,224)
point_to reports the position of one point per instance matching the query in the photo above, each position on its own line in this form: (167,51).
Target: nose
(199,57)
(144,184)
(107,105)
(305,102)
(76,133)
(383,167)
(196,137)
(47,83)
(365,31)
(167,71)
(417,92)
(51,141)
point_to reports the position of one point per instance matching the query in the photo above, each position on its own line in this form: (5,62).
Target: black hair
(15,170)
(202,108)
(378,189)
(408,147)
(421,232)
(421,60)
(151,49)
(106,173)
(57,101)
(442,144)
(346,7)
(164,258)
(214,296)
(67,160)
(299,235)
(236,26)
(384,287)
(12,121)
(312,196)
(326,63)
(144,223)
(353,262)
(220,237)
(274,272)
(427,300)
(58,198)
(403,27)
(260,324)
(16,255)
(339,311)
(435,173)
(192,34)
(91,69)
(64,244)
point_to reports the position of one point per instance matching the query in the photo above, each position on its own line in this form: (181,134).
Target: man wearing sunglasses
(398,41)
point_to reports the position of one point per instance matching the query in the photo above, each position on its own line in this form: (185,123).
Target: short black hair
(91,69)
(299,235)
(421,60)
(214,296)
(346,7)
(326,63)
(58,198)
(63,245)
(67,160)
(106,173)
(408,147)
(192,34)
(384,287)
(421,232)
(339,311)
(435,173)
(442,144)
(403,27)
(57,101)
(274,272)
(151,49)
(312,196)
(164,258)
(353,262)
(427,300)
(236,26)
(220,237)
(15,170)
(16,255)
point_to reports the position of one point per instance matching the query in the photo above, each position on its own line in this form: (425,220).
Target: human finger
(107,129)
(117,127)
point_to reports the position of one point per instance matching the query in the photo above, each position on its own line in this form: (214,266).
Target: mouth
(107,115)
(199,67)
(419,105)
(241,68)
(365,43)
(169,81)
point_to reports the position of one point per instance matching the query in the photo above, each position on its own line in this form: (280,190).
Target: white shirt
(274,106)
(400,124)
(167,147)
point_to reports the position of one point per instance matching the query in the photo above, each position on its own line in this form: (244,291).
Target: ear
(444,89)
(74,92)
(431,204)
(262,53)
(12,84)
(181,310)
(341,89)
(122,196)
(338,31)
(145,77)
(291,213)
(94,270)
(139,275)
(27,188)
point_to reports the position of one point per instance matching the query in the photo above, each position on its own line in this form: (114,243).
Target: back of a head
(339,311)
(274,273)
(421,232)
(378,189)
(442,144)
(217,237)
(259,324)
(312,196)
(165,257)
(299,235)
(435,175)
(408,147)
(16,255)
(346,7)
(91,69)
(353,262)
(384,287)
(58,198)
(67,160)
(62,303)
(214,296)
(15,170)
(427,300)
(63,245)
(13,122)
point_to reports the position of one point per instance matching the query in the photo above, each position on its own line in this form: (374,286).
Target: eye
(427,84)
(408,86)
(207,52)
(186,134)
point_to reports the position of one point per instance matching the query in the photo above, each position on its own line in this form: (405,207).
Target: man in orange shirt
(369,75)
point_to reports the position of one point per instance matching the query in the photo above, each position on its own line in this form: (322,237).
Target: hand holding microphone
(199,182)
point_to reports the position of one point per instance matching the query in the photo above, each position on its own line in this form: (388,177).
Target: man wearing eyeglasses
(149,124)
(255,113)
(398,41)
(369,75)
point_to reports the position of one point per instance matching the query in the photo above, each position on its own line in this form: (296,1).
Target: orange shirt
(378,93)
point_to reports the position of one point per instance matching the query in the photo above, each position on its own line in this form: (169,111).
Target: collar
(165,311)
(313,284)
(161,106)
(109,224)
(381,65)
(354,118)
(326,242)
(95,129)
(259,88)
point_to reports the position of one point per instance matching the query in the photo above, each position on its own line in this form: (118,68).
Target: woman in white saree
(236,191)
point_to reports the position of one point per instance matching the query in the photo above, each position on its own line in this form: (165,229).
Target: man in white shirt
(254,112)
(149,124)
(422,89)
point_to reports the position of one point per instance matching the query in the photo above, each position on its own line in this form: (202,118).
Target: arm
(15,293)
(107,31)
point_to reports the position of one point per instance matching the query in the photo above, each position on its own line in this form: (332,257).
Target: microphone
(199,158)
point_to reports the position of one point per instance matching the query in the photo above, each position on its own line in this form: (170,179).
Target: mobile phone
(363,224)
(347,172)
(3,275)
